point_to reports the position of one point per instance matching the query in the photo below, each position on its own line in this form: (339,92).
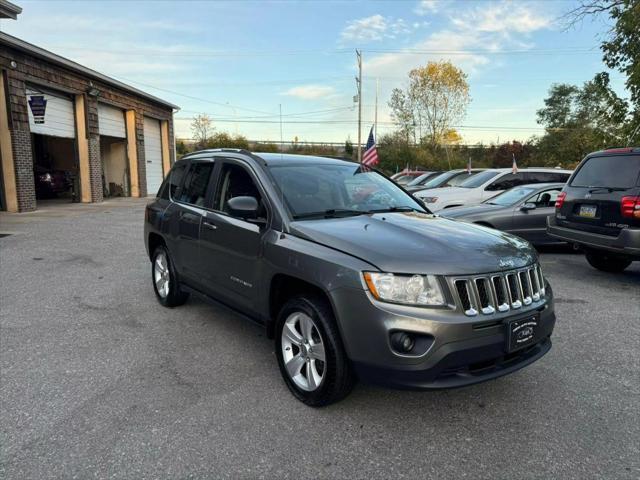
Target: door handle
(210,226)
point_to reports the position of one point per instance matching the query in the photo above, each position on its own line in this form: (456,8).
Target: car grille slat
(499,292)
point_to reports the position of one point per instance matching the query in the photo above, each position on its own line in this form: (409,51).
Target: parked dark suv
(599,209)
(351,275)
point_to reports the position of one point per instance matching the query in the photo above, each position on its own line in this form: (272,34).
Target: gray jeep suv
(350,275)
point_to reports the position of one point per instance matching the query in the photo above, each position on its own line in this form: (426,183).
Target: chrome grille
(504,291)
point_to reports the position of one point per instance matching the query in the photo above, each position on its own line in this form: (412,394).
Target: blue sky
(239,61)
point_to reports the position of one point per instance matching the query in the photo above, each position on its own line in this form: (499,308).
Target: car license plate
(522,333)
(588,211)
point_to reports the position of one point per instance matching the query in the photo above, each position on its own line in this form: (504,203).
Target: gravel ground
(98,380)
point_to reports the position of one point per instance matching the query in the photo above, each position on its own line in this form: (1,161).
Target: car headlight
(429,199)
(421,290)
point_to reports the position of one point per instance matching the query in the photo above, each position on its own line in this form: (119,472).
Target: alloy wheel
(161,274)
(303,351)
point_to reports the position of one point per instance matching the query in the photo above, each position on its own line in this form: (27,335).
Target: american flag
(514,167)
(370,155)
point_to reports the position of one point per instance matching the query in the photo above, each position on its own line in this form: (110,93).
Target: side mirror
(243,207)
(528,206)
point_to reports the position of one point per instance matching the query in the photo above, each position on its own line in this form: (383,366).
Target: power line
(338,51)
(355,122)
(228,105)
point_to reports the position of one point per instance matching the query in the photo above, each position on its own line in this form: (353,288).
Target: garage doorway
(55,168)
(115,167)
(55,156)
(113,151)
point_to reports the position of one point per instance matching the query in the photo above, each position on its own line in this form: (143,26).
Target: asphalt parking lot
(99,381)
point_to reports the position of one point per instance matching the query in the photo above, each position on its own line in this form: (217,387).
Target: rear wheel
(606,262)
(310,354)
(165,280)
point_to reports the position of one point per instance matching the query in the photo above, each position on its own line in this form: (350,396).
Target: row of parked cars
(597,207)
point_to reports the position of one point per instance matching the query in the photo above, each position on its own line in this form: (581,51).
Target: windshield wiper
(396,209)
(609,189)
(331,213)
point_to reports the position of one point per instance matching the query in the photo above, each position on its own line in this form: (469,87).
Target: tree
(348,147)
(202,128)
(225,140)
(579,120)
(436,98)
(622,46)
(181,148)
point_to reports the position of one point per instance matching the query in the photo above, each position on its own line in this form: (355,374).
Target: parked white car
(487,184)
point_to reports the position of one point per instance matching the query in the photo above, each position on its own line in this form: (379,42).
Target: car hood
(472,211)
(411,242)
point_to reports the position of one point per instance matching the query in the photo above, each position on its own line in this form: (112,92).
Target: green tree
(622,46)
(226,140)
(348,147)
(579,120)
(181,148)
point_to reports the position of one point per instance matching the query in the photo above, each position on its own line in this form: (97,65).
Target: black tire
(338,378)
(606,262)
(175,297)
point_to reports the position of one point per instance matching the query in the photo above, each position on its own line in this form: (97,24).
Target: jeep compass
(351,276)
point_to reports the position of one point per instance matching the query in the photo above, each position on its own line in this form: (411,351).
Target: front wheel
(606,262)
(165,280)
(310,354)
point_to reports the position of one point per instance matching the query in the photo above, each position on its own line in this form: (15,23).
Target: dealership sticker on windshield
(522,333)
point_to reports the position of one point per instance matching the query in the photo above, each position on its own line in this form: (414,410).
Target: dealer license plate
(522,333)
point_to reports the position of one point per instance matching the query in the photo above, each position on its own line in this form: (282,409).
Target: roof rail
(215,150)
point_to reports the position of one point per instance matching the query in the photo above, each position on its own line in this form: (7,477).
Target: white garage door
(153,154)
(111,121)
(50,114)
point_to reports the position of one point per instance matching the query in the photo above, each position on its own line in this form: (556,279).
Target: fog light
(402,342)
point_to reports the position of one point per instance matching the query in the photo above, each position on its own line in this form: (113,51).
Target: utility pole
(359,83)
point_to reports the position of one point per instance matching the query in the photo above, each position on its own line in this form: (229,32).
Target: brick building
(69,132)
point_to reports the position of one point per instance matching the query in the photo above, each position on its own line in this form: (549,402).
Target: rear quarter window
(616,171)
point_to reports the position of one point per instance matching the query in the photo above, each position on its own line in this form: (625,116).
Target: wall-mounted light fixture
(92,91)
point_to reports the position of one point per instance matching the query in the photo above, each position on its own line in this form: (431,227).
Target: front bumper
(464,351)
(626,243)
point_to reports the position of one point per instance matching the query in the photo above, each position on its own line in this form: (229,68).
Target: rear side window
(546,177)
(196,182)
(506,182)
(609,171)
(174,181)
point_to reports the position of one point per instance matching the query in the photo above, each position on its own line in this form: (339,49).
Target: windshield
(613,172)
(331,190)
(404,179)
(459,179)
(511,197)
(420,179)
(479,179)
(438,180)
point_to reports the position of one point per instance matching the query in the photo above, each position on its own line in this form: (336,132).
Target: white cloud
(310,92)
(374,28)
(426,7)
(502,17)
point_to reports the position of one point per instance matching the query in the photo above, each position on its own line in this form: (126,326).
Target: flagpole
(376,115)
(359,81)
